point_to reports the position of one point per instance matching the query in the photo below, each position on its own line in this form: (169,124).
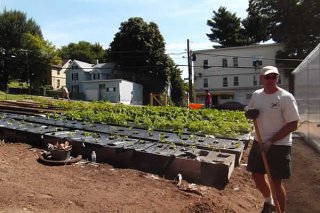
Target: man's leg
(281,193)
(262,184)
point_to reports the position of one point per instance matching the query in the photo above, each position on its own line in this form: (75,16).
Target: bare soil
(29,186)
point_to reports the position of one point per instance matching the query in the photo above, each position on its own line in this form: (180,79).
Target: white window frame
(205,64)
(235,61)
(224,62)
(225,81)
(205,83)
(235,81)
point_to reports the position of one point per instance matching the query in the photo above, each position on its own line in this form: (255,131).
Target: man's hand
(252,114)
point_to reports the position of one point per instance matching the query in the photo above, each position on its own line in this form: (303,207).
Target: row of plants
(205,121)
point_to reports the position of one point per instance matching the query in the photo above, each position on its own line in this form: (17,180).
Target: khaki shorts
(278,157)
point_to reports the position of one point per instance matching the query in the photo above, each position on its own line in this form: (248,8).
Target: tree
(177,91)
(299,37)
(226,29)
(35,59)
(13,26)
(138,49)
(256,25)
(280,22)
(83,51)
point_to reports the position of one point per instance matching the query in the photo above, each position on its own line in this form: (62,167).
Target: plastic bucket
(60,154)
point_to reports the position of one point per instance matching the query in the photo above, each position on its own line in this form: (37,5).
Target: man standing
(278,118)
(208,99)
(65,93)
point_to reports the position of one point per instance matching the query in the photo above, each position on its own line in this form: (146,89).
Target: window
(235,61)
(279,79)
(255,82)
(224,62)
(257,64)
(96,76)
(205,64)
(58,83)
(111,89)
(226,97)
(205,83)
(235,81)
(58,72)
(75,76)
(257,61)
(225,82)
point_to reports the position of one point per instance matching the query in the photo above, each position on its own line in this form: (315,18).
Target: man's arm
(284,131)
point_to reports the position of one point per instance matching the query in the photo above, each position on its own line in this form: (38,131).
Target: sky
(97,21)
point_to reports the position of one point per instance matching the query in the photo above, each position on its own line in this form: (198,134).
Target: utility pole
(29,72)
(28,69)
(190,73)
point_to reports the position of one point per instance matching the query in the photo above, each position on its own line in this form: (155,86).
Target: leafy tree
(177,85)
(13,26)
(256,25)
(139,51)
(34,60)
(299,37)
(83,51)
(226,29)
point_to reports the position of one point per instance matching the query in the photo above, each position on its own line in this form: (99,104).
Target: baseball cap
(268,70)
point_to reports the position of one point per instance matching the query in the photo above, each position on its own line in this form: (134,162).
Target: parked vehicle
(232,105)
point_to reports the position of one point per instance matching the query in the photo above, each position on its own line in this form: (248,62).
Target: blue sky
(66,21)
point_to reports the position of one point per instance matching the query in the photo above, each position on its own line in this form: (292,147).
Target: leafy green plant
(213,122)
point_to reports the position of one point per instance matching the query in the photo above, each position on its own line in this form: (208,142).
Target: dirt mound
(29,186)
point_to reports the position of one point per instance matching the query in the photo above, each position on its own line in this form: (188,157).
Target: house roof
(83,65)
(238,47)
(104,65)
(91,67)
(62,64)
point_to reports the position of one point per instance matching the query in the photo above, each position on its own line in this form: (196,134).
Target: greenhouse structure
(307,86)
(307,94)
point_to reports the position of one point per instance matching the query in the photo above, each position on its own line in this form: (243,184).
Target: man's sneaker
(268,208)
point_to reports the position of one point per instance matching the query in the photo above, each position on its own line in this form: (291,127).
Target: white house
(95,82)
(232,74)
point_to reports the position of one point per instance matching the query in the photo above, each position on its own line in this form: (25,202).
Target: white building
(232,74)
(96,82)
(113,90)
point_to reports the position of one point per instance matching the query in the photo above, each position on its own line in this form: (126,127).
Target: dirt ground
(29,186)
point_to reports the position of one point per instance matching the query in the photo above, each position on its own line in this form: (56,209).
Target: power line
(224,68)
(217,55)
(207,54)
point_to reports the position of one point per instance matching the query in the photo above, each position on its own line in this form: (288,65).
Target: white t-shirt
(275,111)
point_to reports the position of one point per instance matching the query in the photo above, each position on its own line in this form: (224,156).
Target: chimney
(97,61)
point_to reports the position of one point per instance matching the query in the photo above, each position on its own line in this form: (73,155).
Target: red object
(195,106)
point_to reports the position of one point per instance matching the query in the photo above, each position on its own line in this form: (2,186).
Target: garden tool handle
(266,165)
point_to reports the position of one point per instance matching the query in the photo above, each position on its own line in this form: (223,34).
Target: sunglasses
(270,77)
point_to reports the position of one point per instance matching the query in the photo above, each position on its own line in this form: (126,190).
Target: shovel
(266,165)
